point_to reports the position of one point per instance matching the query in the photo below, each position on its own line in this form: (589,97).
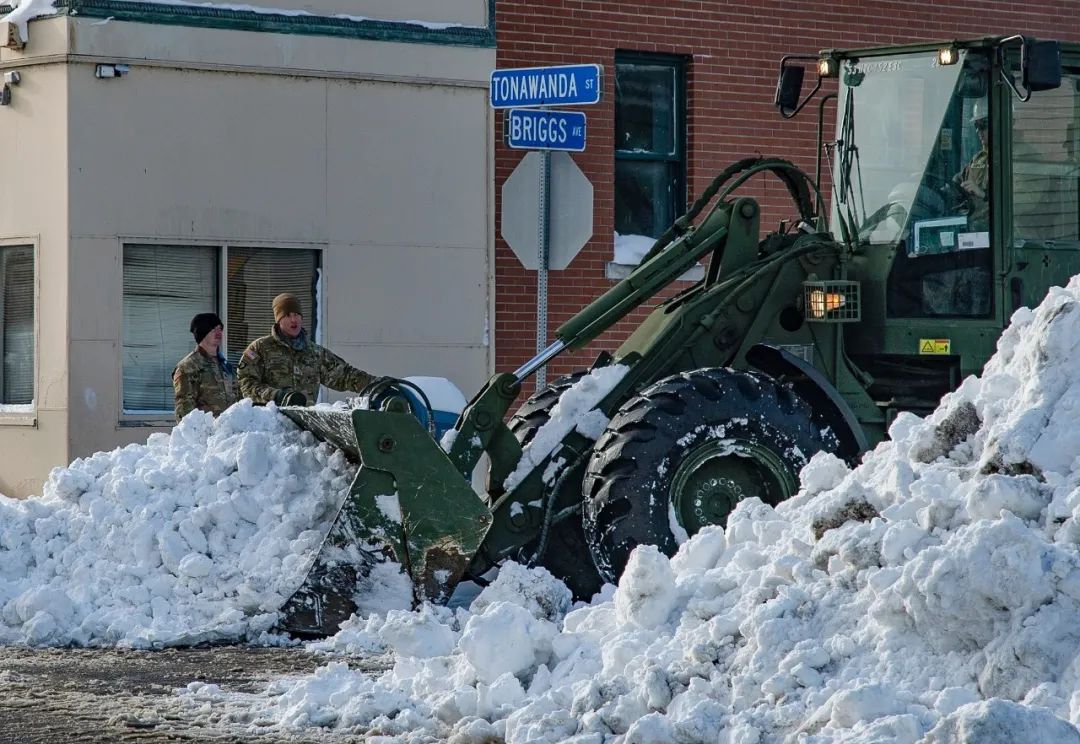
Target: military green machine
(954,201)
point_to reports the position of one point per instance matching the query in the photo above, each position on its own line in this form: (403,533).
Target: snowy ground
(103,696)
(928,596)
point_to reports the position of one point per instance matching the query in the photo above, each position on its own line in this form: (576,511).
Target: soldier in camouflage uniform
(203,379)
(973,180)
(287,367)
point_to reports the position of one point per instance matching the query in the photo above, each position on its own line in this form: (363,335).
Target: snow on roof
(27,10)
(243,7)
(23,11)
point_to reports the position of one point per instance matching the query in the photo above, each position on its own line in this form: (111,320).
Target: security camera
(13,78)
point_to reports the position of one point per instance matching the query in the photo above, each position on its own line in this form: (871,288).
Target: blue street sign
(545,86)
(529,129)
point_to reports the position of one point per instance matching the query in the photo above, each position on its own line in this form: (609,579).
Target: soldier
(973,180)
(287,367)
(204,379)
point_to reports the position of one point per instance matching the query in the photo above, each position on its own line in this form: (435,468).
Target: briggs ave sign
(545,86)
(530,129)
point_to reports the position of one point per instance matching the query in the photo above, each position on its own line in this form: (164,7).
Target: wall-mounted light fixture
(14,77)
(111,71)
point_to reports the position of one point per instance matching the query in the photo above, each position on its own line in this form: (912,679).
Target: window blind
(255,277)
(164,287)
(17,320)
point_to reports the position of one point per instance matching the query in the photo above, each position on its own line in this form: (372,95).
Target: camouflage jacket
(977,172)
(270,364)
(203,382)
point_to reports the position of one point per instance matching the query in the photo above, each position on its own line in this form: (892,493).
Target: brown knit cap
(284,304)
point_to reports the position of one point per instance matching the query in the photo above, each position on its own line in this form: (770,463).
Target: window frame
(1014,244)
(157,419)
(679,64)
(29,417)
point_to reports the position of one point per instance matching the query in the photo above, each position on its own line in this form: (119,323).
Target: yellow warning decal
(935,346)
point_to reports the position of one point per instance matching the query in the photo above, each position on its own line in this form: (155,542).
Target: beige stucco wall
(376,153)
(33,211)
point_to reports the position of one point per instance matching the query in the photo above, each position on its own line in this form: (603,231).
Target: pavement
(49,696)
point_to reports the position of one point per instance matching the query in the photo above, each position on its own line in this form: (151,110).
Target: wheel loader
(953,190)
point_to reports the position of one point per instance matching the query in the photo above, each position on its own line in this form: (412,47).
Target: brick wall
(733,52)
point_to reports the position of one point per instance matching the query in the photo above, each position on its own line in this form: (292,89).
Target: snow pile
(576,409)
(195,536)
(929,596)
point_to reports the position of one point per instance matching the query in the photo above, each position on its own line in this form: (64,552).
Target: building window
(256,276)
(166,285)
(17,325)
(650,150)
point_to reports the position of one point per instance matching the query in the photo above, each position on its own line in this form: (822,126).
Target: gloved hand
(290,398)
(295,398)
(382,382)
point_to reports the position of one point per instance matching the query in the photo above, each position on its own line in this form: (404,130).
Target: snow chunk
(646,594)
(505,639)
(1002,722)
(574,410)
(534,589)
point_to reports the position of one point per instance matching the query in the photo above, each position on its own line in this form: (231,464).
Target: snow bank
(928,596)
(195,536)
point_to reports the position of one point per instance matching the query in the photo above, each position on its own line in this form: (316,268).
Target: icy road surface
(92,696)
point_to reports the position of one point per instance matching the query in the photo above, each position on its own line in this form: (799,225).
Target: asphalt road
(53,696)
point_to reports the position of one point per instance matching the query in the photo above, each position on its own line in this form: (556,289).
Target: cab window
(1046,167)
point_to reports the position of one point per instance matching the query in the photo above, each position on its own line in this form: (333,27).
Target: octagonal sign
(571,218)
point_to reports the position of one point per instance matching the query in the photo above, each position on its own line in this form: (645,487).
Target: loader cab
(914,185)
(960,185)
(954,179)
(955,175)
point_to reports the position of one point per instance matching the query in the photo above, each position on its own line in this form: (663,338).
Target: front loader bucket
(407,504)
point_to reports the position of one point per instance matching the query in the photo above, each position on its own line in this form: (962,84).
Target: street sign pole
(526,94)
(543,262)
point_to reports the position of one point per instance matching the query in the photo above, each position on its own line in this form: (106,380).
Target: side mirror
(789,98)
(1041,65)
(789,87)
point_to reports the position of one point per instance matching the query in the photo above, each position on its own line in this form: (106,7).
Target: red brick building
(708,69)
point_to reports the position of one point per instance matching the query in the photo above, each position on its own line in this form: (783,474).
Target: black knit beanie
(202,324)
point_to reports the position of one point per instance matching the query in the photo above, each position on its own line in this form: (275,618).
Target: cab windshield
(911,168)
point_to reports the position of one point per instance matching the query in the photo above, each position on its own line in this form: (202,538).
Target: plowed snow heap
(931,595)
(195,536)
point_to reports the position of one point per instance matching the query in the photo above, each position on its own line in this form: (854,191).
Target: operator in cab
(288,368)
(973,180)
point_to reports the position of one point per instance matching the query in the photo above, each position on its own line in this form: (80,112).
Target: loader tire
(567,553)
(687,450)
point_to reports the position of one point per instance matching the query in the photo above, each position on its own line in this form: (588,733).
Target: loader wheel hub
(717,475)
